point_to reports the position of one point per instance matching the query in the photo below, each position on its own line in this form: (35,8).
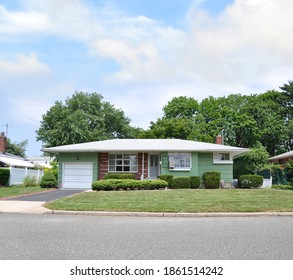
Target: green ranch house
(81,164)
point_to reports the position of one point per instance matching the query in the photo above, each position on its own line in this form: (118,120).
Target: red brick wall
(2,144)
(104,162)
(138,175)
(103,165)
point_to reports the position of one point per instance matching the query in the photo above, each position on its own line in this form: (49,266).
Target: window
(122,163)
(180,161)
(221,158)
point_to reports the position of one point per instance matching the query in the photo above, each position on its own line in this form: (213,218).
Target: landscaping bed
(180,200)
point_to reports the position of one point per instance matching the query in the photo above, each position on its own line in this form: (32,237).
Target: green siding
(201,162)
(205,161)
(83,157)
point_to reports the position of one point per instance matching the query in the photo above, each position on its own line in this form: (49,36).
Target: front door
(154,166)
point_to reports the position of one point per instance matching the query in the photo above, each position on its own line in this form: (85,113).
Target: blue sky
(137,54)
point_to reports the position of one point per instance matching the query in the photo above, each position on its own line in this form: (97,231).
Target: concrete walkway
(34,207)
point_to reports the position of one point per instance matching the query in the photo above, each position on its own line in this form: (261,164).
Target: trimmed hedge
(283,187)
(4,176)
(181,182)
(168,179)
(194,182)
(48,180)
(250,181)
(211,179)
(121,176)
(127,184)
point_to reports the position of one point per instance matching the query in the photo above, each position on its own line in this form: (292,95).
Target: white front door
(154,166)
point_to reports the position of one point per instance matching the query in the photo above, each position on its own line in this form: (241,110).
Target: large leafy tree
(84,117)
(244,120)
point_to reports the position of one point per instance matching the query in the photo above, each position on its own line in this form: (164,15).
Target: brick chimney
(2,143)
(219,139)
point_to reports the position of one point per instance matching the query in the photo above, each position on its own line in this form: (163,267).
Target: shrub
(48,180)
(168,179)
(127,184)
(181,183)
(153,184)
(211,179)
(30,180)
(250,181)
(194,182)
(283,187)
(4,176)
(121,176)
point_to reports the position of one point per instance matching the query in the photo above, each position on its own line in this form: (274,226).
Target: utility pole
(6,129)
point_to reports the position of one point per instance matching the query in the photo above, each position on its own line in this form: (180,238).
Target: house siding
(205,163)
(72,157)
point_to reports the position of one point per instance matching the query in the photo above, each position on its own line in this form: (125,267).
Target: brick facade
(104,163)
(3,143)
(138,175)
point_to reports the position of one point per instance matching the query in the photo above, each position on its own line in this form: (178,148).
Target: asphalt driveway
(45,196)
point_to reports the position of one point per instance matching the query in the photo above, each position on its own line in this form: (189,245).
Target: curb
(158,214)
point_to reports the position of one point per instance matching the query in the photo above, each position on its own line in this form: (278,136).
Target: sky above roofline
(137,54)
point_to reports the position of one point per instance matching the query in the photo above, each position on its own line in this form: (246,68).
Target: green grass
(199,200)
(18,190)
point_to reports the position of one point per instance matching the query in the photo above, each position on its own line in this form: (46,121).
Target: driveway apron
(45,196)
(33,203)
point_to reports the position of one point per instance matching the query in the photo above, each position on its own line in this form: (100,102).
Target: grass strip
(193,201)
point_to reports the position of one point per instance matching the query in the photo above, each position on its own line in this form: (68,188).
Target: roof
(282,156)
(145,145)
(15,161)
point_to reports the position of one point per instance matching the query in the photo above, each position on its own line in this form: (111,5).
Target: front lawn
(18,190)
(184,200)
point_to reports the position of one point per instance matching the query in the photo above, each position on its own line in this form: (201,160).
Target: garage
(77,175)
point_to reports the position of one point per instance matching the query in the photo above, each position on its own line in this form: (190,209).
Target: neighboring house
(10,160)
(80,164)
(19,167)
(41,161)
(282,158)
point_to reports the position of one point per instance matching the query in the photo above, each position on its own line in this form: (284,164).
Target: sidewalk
(33,207)
(36,207)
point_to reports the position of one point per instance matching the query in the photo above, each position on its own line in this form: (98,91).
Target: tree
(17,148)
(244,119)
(84,117)
(248,163)
(182,106)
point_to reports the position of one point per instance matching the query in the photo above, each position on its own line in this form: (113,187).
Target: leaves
(84,117)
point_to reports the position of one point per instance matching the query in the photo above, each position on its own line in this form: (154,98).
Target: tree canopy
(246,120)
(17,148)
(83,117)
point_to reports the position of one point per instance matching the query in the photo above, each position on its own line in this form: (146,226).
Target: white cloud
(23,65)
(18,22)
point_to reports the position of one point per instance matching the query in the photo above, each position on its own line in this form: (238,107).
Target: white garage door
(77,175)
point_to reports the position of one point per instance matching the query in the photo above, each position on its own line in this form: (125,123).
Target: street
(57,237)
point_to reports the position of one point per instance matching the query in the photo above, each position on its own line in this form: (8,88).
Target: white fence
(17,175)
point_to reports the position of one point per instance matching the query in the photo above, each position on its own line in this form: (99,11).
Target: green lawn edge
(179,201)
(6,192)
